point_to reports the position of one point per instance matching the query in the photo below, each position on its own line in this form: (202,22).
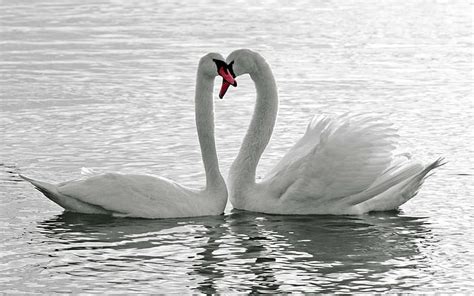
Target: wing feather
(135,195)
(337,157)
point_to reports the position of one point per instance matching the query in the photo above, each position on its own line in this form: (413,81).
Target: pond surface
(108,85)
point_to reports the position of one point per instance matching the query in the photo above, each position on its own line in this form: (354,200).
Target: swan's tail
(66,202)
(399,194)
(49,190)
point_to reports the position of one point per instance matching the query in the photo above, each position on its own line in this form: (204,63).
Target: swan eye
(220,64)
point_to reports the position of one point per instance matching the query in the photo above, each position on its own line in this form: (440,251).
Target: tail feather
(397,195)
(68,203)
(402,175)
(389,180)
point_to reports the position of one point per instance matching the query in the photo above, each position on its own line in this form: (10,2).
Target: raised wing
(336,158)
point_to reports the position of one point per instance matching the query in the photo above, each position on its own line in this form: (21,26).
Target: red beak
(227,80)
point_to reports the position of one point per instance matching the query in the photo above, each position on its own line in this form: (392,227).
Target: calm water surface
(108,85)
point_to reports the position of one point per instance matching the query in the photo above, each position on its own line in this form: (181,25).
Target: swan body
(126,195)
(342,165)
(149,196)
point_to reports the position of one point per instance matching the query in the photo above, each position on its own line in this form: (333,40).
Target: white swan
(155,197)
(342,165)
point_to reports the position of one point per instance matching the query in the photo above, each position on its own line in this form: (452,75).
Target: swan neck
(204,111)
(259,132)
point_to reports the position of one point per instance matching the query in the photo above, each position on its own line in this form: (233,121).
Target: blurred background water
(109,85)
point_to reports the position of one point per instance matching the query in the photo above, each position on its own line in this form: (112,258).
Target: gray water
(109,86)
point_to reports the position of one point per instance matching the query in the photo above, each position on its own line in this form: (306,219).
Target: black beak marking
(230,67)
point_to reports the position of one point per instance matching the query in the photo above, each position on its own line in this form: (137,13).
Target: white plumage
(342,165)
(149,196)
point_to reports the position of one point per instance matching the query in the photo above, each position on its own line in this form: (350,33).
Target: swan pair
(341,165)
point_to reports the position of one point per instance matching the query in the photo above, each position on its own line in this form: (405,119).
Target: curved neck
(243,169)
(204,110)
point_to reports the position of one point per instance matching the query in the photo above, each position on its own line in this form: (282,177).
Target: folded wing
(132,195)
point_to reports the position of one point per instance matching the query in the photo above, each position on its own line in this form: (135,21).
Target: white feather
(342,164)
(147,196)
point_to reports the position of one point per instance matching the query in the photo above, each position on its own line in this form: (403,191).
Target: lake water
(108,85)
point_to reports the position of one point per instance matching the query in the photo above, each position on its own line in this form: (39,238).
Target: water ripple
(109,86)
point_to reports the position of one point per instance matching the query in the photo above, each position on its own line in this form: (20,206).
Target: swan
(342,165)
(146,196)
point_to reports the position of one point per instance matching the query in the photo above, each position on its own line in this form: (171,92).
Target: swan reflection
(249,252)
(331,253)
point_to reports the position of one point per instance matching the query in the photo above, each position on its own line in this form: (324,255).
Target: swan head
(243,61)
(239,62)
(212,65)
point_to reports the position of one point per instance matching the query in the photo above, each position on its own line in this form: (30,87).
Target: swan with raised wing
(341,165)
(148,196)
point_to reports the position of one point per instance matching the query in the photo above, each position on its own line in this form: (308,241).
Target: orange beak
(227,80)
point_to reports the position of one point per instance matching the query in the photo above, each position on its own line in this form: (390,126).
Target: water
(109,86)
